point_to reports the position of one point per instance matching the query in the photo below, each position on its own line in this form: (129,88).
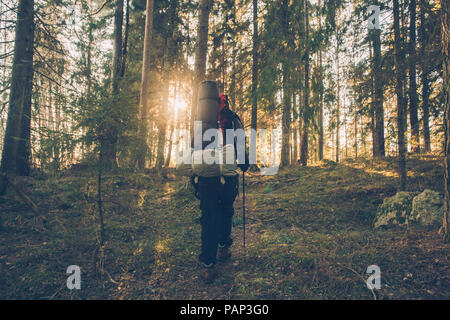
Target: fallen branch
(361,277)
(262,220)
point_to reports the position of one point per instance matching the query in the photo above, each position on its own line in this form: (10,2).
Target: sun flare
(179,104)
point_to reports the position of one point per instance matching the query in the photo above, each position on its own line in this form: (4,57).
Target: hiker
(217,195)
(215,182)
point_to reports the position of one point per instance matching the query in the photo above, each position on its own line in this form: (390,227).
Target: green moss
(394,210)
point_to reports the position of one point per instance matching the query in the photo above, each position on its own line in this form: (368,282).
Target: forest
(349,100)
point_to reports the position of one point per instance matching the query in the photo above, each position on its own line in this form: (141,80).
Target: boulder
(394,210)
(427,208)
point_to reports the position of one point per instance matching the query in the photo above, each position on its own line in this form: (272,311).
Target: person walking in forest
(217,195)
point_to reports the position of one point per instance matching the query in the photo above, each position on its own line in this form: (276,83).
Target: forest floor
(310,235)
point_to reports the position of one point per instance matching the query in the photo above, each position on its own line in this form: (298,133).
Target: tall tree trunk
(321,128)
(286,112)
(306,111)
(109,135)
(378,90)
(162,124)
(338,96)
(254,119)
(294,129)
(345,133)
(169,150)
(413,118)
(425,80)
(299,134)
(16,145)
(372,105)
(88,73)
(167,68)
(145,84)
(255,66)
(125,39)
(356,132)
(173,126)
(200,53)
(117,48)
(445,31)
(285,118)
(401,101)
(232,92)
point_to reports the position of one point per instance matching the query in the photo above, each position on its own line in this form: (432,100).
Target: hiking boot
(208,273)
(223,254)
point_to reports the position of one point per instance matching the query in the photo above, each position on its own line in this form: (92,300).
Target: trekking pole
(243,206)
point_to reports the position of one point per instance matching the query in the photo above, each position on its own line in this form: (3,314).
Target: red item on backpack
(222,120)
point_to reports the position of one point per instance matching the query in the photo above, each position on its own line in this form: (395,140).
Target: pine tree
(254,94)
(145,87)
(16,147)
(108,130)
(425,78)
(401,100)
(379,150)
(306,107)
(415,136)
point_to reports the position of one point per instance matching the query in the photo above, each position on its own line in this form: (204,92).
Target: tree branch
(97,11)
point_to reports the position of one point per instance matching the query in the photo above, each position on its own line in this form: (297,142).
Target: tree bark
(145,84)
(163,112)
(200,54)
(286,109)
(321,128)
(372,105)
(338,96)
(413,118)
(167,68)
(401,101)
(378,91)
(294,130)
(425,80)
(445,32)
(356,132)
(173,126)
(255,67)
(125,39)
(254,97)
(285,118)
(109,135)
(162,125)
(16,146)
(306,112)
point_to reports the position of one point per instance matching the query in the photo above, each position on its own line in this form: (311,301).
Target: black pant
(216,203)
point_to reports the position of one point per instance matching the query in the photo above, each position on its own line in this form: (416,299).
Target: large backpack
(209,158)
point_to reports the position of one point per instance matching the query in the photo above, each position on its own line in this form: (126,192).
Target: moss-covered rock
(394,210)
(427,208)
